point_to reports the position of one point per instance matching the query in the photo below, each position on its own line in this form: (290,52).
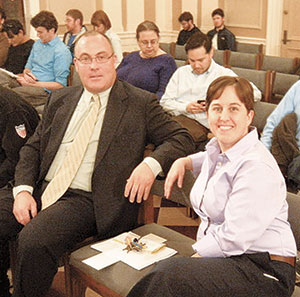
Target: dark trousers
(45,238)
(238,276)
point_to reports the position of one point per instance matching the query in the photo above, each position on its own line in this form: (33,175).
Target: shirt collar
(103,96)
(210,68)
(53,42)
(238,149)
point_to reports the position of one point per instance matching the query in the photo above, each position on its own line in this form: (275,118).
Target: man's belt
(289,260)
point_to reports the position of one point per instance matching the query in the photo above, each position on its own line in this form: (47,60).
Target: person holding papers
(245,246)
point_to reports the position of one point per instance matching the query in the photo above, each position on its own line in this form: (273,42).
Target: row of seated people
(251,60)
(201,63)
(272,83)
(44,66)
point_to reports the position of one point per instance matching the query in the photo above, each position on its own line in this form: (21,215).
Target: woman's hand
(176,172)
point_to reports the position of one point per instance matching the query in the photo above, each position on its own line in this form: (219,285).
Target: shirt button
(219,164)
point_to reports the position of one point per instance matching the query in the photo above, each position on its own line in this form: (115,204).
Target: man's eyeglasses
(146,42)
(100,59)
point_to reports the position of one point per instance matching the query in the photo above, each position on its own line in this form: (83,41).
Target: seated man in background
(83,161)
(4,44)
(185,94)
(48,64)
(18,120)
(222,38)
(20,46)
(75,27)
(188,27)
(281,135)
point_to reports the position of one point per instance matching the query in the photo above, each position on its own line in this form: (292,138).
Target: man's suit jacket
(133,118)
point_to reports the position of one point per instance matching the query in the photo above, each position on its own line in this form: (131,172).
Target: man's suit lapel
(59,125)
(116,106)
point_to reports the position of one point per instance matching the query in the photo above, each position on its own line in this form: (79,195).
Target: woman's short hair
(242,88)
(100,17)
(12,27)
(146,26)
(45,19)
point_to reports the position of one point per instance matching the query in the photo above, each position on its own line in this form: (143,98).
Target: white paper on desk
(106,245)
(140,260)
(154,237)
(102,260)
(113,243)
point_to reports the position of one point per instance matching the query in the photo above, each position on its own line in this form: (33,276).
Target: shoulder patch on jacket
(21,130)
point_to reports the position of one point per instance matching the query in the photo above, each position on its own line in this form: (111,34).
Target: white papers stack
(112,251)
(11,74)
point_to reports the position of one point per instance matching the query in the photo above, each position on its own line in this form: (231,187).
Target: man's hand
(24,206)
(139,183)
(195,107)
(29,76)
(176,172)
(26,82)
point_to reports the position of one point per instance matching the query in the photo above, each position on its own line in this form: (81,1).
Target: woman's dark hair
(12,27)
(2,13)
(45,19)
(146,26)
(242,88)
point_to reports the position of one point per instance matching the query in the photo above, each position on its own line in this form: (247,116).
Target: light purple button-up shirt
(240,196)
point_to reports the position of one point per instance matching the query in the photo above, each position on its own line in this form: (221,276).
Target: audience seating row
(254,59)
(272,84)
(272,75)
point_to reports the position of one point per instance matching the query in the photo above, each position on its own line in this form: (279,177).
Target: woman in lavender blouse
(150,68)
(245,246)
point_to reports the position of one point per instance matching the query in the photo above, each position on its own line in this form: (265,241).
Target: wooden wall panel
(246,18)
(149,10)
(176,11)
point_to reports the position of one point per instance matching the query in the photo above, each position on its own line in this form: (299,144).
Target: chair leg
(74,287)
(78,288)
(68,284)
(13,246)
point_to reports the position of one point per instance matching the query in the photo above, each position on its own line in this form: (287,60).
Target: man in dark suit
(112,166)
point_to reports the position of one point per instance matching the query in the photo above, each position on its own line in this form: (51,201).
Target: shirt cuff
(21,188)
(208,247)
(154,165)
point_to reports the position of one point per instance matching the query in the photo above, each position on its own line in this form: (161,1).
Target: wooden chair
(281,84)
(168,47)
(220,57)
(262,79)
(279,64)
(249,48)
(243,60)
(262,110)
(180,55)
